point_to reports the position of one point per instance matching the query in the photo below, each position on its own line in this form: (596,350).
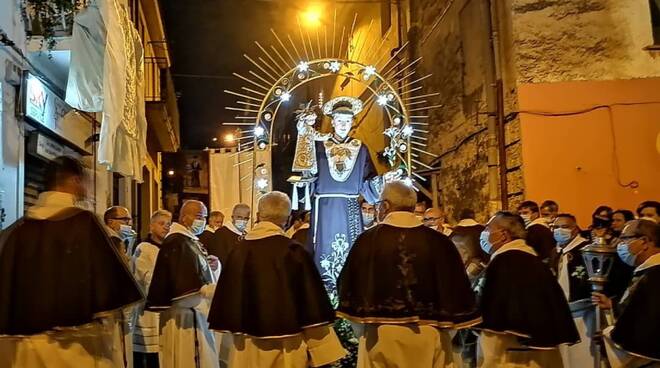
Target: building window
(655,20)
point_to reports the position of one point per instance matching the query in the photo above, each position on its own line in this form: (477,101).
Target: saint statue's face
(342,124)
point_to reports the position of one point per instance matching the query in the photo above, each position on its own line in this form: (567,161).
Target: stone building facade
(530,46)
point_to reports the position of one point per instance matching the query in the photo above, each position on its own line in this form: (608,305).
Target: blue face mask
(485,242)
(562,236)
(623,250)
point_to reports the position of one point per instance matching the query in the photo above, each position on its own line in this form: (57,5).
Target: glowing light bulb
(259,131)
(303,67)
(335,66)
(407,131)
(230,138)
(408,181)
(382,100)
(312,16)
(170,173)
(369,71)
(262,183)
(286,96)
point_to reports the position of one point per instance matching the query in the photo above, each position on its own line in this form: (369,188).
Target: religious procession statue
(342,171)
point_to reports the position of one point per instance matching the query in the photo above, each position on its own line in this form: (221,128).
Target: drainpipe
(492,77)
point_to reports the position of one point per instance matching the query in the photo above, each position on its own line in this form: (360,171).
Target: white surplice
(577,355)
(98,344)
(145,339)
(503,350)
(315,346)
(185,338)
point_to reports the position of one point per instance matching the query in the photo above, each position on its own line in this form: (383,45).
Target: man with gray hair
(525,314)
(403,286)
(181,288)
(225,238)
(145,338)
(285,320)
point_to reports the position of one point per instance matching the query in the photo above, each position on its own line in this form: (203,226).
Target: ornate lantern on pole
(598,258)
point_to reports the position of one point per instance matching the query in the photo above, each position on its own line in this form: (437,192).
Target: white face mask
(484,241)
(198,226)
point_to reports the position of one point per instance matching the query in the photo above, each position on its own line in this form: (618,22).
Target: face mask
(240,224)
(368,218)
(485,242)
(562,236)
(527,219)
(198,226)
(126,232)
(623,250)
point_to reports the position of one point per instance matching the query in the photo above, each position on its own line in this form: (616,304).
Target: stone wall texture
(538,41)
(562,40)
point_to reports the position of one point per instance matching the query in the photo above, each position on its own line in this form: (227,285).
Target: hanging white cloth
(84,90)
(122,145)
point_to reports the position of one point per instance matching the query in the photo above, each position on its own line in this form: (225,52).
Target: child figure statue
(304,159)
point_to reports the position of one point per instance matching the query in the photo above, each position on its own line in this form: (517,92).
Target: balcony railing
(154,81)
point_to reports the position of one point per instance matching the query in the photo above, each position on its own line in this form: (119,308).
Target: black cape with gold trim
(60,272)
(406,275)
(178,272)
(269,288)
(522,297)
(637,330)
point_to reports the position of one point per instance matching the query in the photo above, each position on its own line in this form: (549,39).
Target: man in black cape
(225,238)
(525,314)
(539,235)
(216,218)
(404,286)
(181,288)
(271,304)
(63,284)
(634,340)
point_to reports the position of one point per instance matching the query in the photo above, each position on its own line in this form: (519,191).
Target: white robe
(403,346)
(185,338)
(98,344)
(146,331)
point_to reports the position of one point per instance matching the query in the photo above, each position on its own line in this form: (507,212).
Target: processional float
(334,51)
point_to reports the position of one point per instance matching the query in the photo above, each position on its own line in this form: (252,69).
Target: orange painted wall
(572,160)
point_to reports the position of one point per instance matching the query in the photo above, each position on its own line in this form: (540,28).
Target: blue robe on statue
(345,171)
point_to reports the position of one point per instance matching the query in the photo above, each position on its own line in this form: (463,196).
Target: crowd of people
(207,290)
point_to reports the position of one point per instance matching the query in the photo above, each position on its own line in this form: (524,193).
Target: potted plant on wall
(50,18)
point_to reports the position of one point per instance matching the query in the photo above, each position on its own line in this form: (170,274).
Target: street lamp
(312,16)
(598,258)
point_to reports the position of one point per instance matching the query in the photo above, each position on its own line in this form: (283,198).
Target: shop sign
(42,105)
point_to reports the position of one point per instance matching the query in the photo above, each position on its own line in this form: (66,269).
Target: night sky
(207,39)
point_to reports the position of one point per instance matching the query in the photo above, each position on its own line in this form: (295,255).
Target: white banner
(226,187)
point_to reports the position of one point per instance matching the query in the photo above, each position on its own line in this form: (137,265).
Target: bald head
(434,217)
(192,210)
(116,216)
(274,207)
